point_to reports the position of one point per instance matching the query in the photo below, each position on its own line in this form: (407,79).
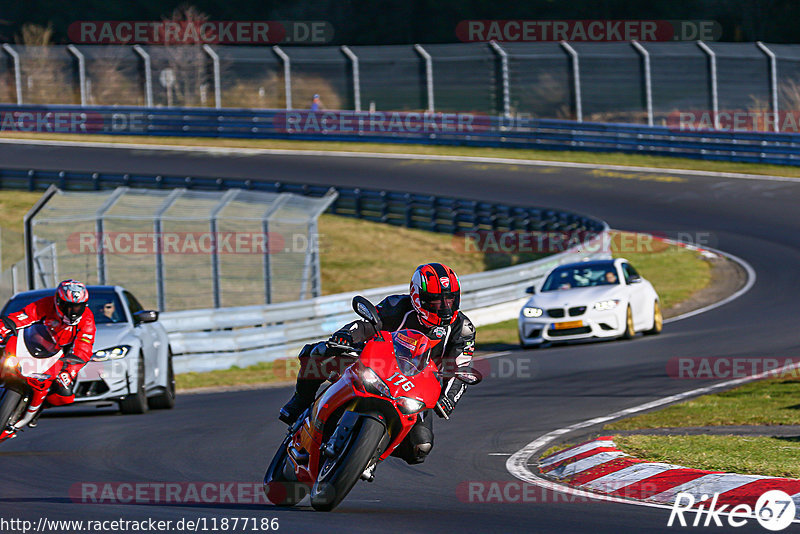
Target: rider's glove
(6,331)
(342,337)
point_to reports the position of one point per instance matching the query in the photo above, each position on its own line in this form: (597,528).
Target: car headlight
(604,305)
(532,312)
(374,384)
(409,406)
(114,353)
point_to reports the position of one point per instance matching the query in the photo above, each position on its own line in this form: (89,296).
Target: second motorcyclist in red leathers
(431,307)
(71,326)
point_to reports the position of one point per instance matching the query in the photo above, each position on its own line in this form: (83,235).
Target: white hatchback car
(600,298)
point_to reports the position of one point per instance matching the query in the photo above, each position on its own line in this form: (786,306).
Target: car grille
(556,312)
(570,331)
(578,310)
(91,388)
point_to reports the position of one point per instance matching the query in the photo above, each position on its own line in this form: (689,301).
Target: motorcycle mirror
(365,309)
(468,375)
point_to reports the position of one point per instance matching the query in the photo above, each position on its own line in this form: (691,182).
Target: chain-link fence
(179,249)
(606,82)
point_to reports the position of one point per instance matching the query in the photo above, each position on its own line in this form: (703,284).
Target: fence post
(17,72)
(773,81)
(648,87)
(81,71)
(287,74)
(504,77)
(226,198)
(148,76)
(712,62)
(215,61)
(576,79)
(428,74)
(161,294)
(275,206)
(28,231)
(102,275)
(356,77)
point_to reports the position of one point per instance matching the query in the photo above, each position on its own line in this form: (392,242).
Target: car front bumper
(104,381)
(606,324)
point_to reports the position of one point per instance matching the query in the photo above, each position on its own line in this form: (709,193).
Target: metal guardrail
(220,338)
(205,340)
(424,128)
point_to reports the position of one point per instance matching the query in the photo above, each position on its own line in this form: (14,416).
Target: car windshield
(104,303)
(39,342)
(411,350)
(573,276)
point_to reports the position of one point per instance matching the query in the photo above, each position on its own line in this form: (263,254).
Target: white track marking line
(517,464)
(399,156)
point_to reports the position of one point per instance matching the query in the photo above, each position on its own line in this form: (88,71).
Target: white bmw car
(591,299)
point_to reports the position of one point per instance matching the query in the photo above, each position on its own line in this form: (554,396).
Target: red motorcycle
(360,419)
(30,358)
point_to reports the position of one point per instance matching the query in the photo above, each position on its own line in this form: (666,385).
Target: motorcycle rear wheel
(338,475)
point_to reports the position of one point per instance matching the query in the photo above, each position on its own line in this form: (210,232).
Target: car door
(146,333)
(638,296)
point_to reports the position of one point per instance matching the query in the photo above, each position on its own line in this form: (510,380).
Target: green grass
(779,457)
(516,153)
(775,401)
(277,371)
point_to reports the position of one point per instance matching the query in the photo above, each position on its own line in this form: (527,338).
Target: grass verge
(768,456)
(773,401)
(610,158)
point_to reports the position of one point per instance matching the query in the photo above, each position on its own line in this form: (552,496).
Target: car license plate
(568,324)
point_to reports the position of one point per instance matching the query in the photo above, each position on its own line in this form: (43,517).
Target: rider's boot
(304,395)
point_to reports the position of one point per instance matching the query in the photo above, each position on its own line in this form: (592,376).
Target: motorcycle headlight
(374,384)
(409,406)
(532,312)
(10,365)
(604,305)
(113,353)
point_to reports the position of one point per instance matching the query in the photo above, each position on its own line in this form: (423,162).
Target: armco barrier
(394,127)
(205,340)
(219,338)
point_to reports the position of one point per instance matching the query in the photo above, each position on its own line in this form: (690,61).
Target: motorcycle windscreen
(411,350)
(39,342)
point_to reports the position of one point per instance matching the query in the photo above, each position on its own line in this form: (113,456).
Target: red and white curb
(597,466)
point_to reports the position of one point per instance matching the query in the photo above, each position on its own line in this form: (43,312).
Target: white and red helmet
(435,294)
(71,298)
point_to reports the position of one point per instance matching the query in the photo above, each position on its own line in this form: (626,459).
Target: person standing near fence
(316,103)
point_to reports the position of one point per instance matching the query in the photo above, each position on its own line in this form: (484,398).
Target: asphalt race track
(230,437)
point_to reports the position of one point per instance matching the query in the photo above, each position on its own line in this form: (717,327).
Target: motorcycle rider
(431,307)
(71,326)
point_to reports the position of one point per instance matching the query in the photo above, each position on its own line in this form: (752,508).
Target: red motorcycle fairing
(348,393)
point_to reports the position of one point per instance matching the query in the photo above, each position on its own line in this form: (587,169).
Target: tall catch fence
(628,82)
(179,249)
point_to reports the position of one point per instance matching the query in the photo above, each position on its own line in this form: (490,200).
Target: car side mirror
(366,310)
(634,280)
(530,290)
(145,316)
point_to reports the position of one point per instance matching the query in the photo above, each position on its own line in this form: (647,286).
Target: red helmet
(71,298)
(435,294)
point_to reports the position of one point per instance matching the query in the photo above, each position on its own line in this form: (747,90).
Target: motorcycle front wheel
(9,401)
(278,488)
(337,476)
